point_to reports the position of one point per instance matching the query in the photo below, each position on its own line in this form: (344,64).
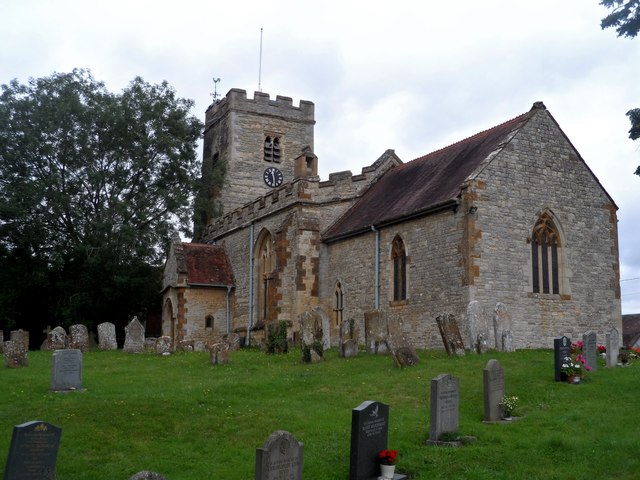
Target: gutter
(376,286)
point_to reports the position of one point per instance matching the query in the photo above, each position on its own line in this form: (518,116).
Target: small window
(272,149)
(208,321)
(338,306)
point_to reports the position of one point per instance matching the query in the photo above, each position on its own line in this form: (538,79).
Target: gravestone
(57,339)
(218,353)
(233,340)
(66,370)
(15,355)
(134,337)
(107,336)
(590,349)
(613,347)
(311,333)
(445,399)
(376,332)
(349,348)
(450,333)
(507,341)
(79,337)
(348,338)
(33,452)
(147,475)
(21,336)
(476,328)
(404,355)
(561,354)
(163,345)
(493,380)
(501,323)
(280,458)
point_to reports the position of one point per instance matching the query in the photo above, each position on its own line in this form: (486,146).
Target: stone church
(509,223)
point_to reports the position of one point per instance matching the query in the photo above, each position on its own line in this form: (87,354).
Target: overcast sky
(413,76)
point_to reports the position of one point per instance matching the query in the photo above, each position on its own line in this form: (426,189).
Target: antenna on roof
(260,64)
(215,93)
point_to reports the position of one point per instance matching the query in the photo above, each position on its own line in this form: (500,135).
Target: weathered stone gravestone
(445,399)
(15,355)
(450,333)
(590,349)
(493,380)
(613,347)
(163,345)
(404,355)
(107,336)
(476,328)
(33,452)
(21,336)
(219,353)
(348,338)
(311,335)
(369,433)
(57,339)
(280,458)
(147,475)
(134,337)
(233,340)
(561,354)
(79,337)
(66,370)
(502,328)
(376,332)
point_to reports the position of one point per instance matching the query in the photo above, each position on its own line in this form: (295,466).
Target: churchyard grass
(186,419)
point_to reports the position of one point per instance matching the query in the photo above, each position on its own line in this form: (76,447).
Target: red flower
(388,457)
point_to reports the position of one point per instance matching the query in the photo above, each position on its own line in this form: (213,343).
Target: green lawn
(186,419)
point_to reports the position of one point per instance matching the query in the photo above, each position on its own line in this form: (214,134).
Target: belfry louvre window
(399,259)
(272,149)
(545,253)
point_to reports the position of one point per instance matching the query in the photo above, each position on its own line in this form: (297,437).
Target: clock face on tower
(273,177)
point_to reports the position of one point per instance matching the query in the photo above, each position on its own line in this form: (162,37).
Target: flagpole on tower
(260,64)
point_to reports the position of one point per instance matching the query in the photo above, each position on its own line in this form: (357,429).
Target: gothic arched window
(399,260)
(338,303)
(545,256)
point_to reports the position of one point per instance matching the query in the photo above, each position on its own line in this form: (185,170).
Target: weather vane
(215,93)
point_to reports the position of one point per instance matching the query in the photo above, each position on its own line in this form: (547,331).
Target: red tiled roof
(424,184)
(205,264)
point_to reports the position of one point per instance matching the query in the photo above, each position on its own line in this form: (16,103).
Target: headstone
(79,337)
(613,347)
(482,346)
(185,346)
(219,353)
(233,340)
(404,355)
(445,398)
(311,333)
(163,345)
(150,344)
(147,475)
(348,338)
(15,355)
(476,328)
(57,339)
(501,323)
(376,332)
(107,336)
(66,370)
(590,349)
(33,452)
(134,337)
(507,341)
(493,379)
(561,354)
(369,432)
(450,333)
(280,458)
(21,336)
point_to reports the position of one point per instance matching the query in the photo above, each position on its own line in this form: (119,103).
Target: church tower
(250,148)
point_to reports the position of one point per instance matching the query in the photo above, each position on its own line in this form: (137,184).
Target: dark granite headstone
(450,333)
(493,379)
(369,431)
(66,370)
(561,353)
(590,349)
(280,458)
(33,452)
(445,398)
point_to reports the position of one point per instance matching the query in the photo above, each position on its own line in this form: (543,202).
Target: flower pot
(387,471)
(573,379)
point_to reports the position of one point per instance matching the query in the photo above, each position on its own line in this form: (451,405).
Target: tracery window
(545,256)
(399,260)
(272,149)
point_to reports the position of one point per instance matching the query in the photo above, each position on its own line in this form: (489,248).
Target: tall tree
(625,17)
(92,186)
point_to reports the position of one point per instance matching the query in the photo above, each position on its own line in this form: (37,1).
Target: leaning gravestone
(613,347)
(79,337)
(107,336)
(134,337)
(445,398)
(57,339)
(561,354)
(450,333)
(66,370)
(280,458)
(33,452)
(376,332)
(590,349)
(493,380)
(404,355)
(15,355)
